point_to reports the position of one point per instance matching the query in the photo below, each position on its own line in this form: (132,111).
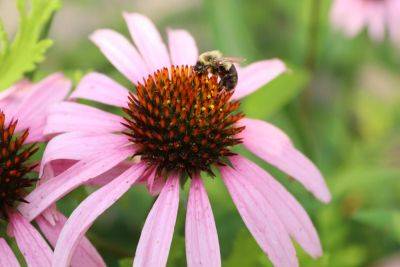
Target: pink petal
(155,183)
(7,257)
(121,53)
(88,211)
(12,97)
(85,254)
(260,218)
(393,17)
(111,174)
(98,87)
(202,247)
(33,109)
(156,237)
(290,212)
(148,40)
(78,145)
(273,146)
(36,251)
(349,15)
(257,75)
(70,117)
(55,188)
(376,21)
(182,48)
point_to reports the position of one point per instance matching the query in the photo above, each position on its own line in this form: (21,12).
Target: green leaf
(385,220)
(28,48)
(273,96)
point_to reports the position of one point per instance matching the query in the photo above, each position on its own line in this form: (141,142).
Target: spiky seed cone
(14,168)
(182,121)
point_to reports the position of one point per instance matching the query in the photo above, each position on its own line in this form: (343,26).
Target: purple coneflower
(351,16)
(180,125)
(23,111)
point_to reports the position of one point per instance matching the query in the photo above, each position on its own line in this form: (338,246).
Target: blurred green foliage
(339,103)
(28,47)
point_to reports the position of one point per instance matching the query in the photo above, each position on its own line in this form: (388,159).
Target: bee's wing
(234,59)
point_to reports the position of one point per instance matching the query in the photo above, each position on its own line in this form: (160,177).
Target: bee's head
(200,67)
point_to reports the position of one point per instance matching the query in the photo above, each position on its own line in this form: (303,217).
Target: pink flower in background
(23,111)
(179,125)
(379,16)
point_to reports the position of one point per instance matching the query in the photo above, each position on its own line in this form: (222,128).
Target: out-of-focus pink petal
(290,212)
(74,117)
(256,75)
(260,218)
(156,237)
(376,20)
(272,145)
(349,16)
(80,145)
(98,87)
(55,188)
(182,48)
(202,247)
(88,211)
(121,53)
(148,40)
(36,251)
(393,18)
(32,111)
(7,257)
(85,253)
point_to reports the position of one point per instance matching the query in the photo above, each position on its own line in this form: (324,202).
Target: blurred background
(340,103)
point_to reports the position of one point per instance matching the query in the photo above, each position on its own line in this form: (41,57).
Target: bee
(214,62)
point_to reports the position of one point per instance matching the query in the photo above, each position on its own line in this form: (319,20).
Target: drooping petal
(57,187)
(74,117)
(182,48)
(273,146)
(36,251)
(32,111)
(155,183)
(148,40)
(7,257)
(121,53)
(87,212)
(111,174)
(260,219)
(85,253)
(202,247)
(290,212)
(98,87)
(79,145)
(256,75)
(156,237)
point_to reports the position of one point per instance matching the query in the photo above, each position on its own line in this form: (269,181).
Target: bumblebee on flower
(181,123)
